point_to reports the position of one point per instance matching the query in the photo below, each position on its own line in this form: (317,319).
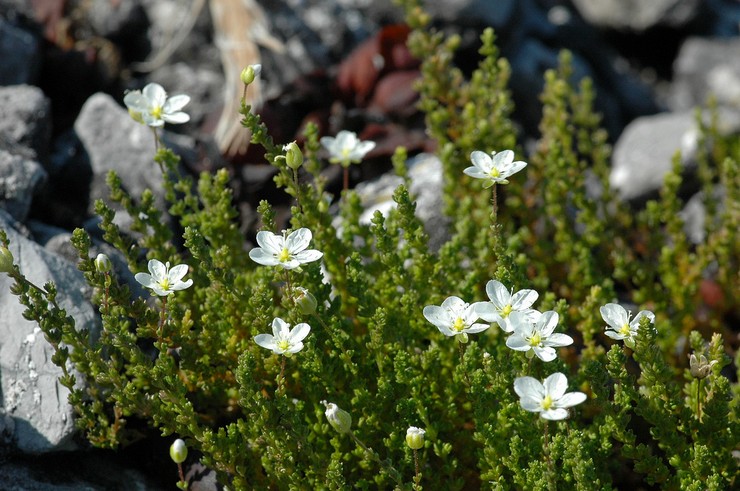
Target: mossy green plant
(187,363)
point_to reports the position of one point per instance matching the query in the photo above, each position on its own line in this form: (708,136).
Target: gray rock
(475,12)
(704,67)
(644,152)
(20,56)
(116,142)
(425,173)
(30,390)
(25,119)
(694,215)
(637,15)
(20,180)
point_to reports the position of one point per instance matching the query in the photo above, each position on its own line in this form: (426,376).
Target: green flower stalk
(178,454)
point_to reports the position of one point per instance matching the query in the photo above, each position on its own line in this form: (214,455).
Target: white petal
(259,255)
(136,101)
(181,285)
(529,387)
(437,315)
(547,322)
(643,313)
(363,148)
(329,143)
(523,299)
(294,348)
(502,159)
(571,399)
(270,242)
(554,414)
(476,328)
(145,279)
(518,343)
(265,340)
(475,172)
(175,103)
(157,270)
(308,256)
(515,167)
(531,404)
(299,332)
(280,328)
(455,304)
(487,311)
(545,353)
(498,294)
(614,314)
(481,160)
(556,385)
(614,335)
(298,240)
(521,323)
(558,340)
(176,118)
(177,272)
(155,93)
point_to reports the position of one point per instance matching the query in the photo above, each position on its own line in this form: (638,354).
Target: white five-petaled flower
(455,317)
(547,398)
(504,302)
(620,326)
(533,333)
(494,168)
(346,148)
(152,107)
(283,340)
(162,279)
(288,251)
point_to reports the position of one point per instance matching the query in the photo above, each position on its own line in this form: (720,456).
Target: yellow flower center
(164,283)
(156,112)
(506,311)
(494,172)
(547,402)
(284,255)
(625,330)
(283,345)
(535,340)
(458,325)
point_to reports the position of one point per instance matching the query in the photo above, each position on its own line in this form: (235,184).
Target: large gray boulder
(704,67)
(116,142)
(637,15)
(34,413)
(25,121)
(20,180)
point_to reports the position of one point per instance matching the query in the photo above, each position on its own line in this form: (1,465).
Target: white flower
(548,398)
(346,148)
(283,340)
(415,437)
(700,368)
(494,168)
(152,107)
(162,279)
(504,302)
(250,73)
(620,326)
(535,332)
(338,418)
(455,317)
(286,251)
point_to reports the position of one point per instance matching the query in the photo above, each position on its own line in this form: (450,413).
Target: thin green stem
(395,475)
(162,318)
(698,399)
(417,475)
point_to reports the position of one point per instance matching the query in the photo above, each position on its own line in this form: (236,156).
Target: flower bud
(339,419)
(102,263)
(700,368)
(415,437)
(178,451)
(250,73)
(305,301)
(6,260)
(293,155)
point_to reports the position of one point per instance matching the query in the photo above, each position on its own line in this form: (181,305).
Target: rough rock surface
(20,180)
(25,119)
(637,15)
(42,420)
